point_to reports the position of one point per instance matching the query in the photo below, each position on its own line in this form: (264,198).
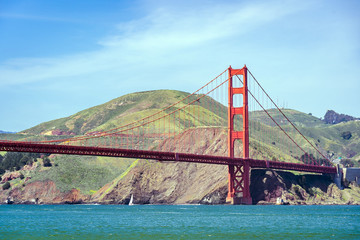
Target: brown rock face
(268,185)
(44,192)
(154,182)
(169,183)
(332,117)
(10,176)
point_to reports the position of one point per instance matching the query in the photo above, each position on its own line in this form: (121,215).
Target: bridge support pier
(239,185)
(241,201)
(338,176)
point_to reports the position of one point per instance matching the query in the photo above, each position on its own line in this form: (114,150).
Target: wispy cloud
(161,38)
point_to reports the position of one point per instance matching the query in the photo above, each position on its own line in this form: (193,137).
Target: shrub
(47,162)
(347,163)
(6,186)
(346,135)
(22,176)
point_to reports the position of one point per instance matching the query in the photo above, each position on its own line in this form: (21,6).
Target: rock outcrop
(8,176)
(332,117)
(41,192)
(268,185)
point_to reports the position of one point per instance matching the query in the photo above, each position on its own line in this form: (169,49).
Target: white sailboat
(131,200)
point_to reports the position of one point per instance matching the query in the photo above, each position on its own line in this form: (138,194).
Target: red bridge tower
(239,175)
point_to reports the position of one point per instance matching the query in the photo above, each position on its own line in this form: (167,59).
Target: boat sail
(131,200)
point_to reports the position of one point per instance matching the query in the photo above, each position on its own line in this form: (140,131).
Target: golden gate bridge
(259,134)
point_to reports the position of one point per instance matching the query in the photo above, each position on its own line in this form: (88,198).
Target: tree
(11,160)
(307,158)
(26,159)
(16,160)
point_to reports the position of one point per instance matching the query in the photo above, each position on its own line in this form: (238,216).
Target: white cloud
(162,38)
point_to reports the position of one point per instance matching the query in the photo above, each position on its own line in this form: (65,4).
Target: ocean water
(178,222)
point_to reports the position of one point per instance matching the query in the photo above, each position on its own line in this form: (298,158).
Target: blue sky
(60,57)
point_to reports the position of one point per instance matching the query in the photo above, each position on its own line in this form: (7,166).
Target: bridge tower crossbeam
(239,175)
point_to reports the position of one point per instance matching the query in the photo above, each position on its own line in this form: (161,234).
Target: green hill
(124,110)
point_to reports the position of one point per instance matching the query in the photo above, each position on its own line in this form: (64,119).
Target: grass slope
(328,138)
(86,173)
(298,118)
(116,112)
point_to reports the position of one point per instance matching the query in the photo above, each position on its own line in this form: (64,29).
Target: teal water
(178,222)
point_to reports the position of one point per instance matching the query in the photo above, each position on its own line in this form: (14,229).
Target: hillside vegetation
(124,110)
(336,141)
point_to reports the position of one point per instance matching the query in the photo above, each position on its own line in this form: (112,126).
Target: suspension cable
(288,118)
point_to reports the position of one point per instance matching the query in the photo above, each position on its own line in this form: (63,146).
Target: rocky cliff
(332,117)
(268,185)
(41,192)
(154,182)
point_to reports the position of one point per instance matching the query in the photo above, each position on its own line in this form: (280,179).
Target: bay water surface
(178,222)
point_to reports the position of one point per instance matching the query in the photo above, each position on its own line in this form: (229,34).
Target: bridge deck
(155,155)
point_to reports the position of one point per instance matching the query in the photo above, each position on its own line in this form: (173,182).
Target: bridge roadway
(14,146)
